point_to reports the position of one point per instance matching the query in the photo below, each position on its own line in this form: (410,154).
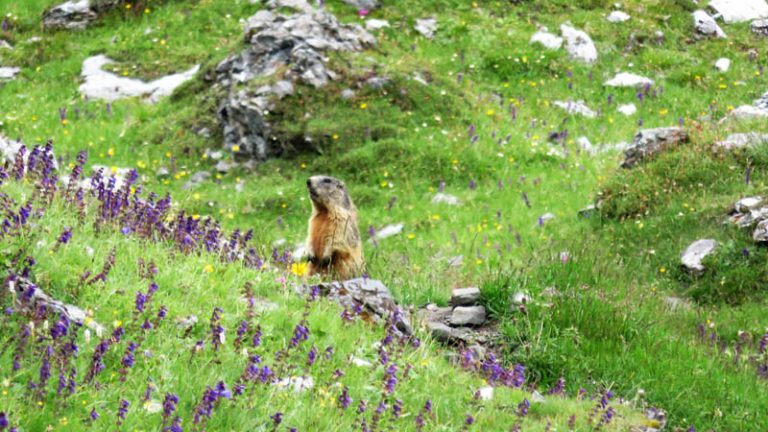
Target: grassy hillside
(598,317)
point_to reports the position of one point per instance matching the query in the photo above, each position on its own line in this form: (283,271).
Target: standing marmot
(333,242)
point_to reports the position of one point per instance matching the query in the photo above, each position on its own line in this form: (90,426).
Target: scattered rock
(485,393)
(723,64)
(734,11)
(618,17)
(649,142)
(465,296)
(388,231)
(548,40)
(376,24)
(693,255)
(31,297)
(584,144)
(377,82)
(443,198)
(367,5)
(296,384)
(296,47)
(627,109)
(100,84)
(8,72)
(537,397)
(628,79)
(760,234)
(372,295)
(185,323)
(546,217)
(360,362)
(347,94)
(5,45)
(8,149)
(576,107)
(426,27)
(434,313)
(706,25)
(759,27)
(742,140)
(72,15)
(449,335)
(588,211)
(468,315)
(578,44)
(225,166)
(196,179)
(747,204)
(748,218)
(520,298)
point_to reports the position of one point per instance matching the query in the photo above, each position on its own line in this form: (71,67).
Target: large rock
(578,44)
(628,79)
(468,315)
(693,255)
(759,27)
(734,11)
(371,295)
(296,47)
(100,84)
(649,142)
(705,25)
(72,15)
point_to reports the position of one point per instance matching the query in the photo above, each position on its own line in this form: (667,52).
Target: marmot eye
(326,180)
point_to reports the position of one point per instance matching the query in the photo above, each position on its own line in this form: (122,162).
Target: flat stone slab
(468,315)
(693,255)
(447,334)
(734,11)
(465,296)
(628,79)
(8,72)
(100,84)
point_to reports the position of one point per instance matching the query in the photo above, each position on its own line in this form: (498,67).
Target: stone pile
(461,323)
(751,213)
(649,142)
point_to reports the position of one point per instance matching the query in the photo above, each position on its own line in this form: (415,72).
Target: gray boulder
(450,335)
(734,11)
(426,27)
(296,47)
(8,72)
(759,27)
(578,44)
(742,140)
(649,142)
(760,234)
(71,15)
(368,5)
(693,255)
(468,315)
(465,296)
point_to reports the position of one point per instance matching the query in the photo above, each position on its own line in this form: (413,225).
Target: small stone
(360,362)
(628,79)
(225,166)
(297,384)
(650,142)
(388,231)
(426,27)
(434,313)
(587,211)
(584,144)
(746,204)
(546,217)
(520,298)
(537,397)
(443,198)
(693,255)
(576,107)
(627,109)
(550,41)
(377,82)
(759,27)
(468,315)
(465,296)
(446,334)
(485,393)
(734,11)
(456,261)
(723,64)
(7,73)
(578,44)
(72,15)
(5,45)
(196,180)
(760,234)
(748,112)
(706,25)
(186,322)
(347,94)
(376,24)
(743,140)
(618,17)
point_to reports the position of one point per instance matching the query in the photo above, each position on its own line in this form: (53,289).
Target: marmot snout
(333,241)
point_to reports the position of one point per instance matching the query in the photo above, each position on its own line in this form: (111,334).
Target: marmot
(333,242)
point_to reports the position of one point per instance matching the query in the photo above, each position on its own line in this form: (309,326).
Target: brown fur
(333,239)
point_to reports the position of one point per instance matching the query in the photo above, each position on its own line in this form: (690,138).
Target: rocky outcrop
(649,142)
(289,49)
(463,323)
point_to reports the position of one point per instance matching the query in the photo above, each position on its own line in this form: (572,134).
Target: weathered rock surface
(734,11)
(743,140)
(693,255)
(388,231)
(747,204)
(649,142)
(747,112)
(8,72)
(100,84)
(578,44)
(295,46)
(371,295)
(367,5)
(72,15)
(705,25)
(576,107)
(376,24)
(588,211)
(627,109)
(628,79)
(759,27)
(548,40)
(760,234)
(468,315)
(447,334)
(465,296)
(8,149)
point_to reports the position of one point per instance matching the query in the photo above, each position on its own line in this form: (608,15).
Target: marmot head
(326,192)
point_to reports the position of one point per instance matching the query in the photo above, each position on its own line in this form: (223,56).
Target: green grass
(608,328)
